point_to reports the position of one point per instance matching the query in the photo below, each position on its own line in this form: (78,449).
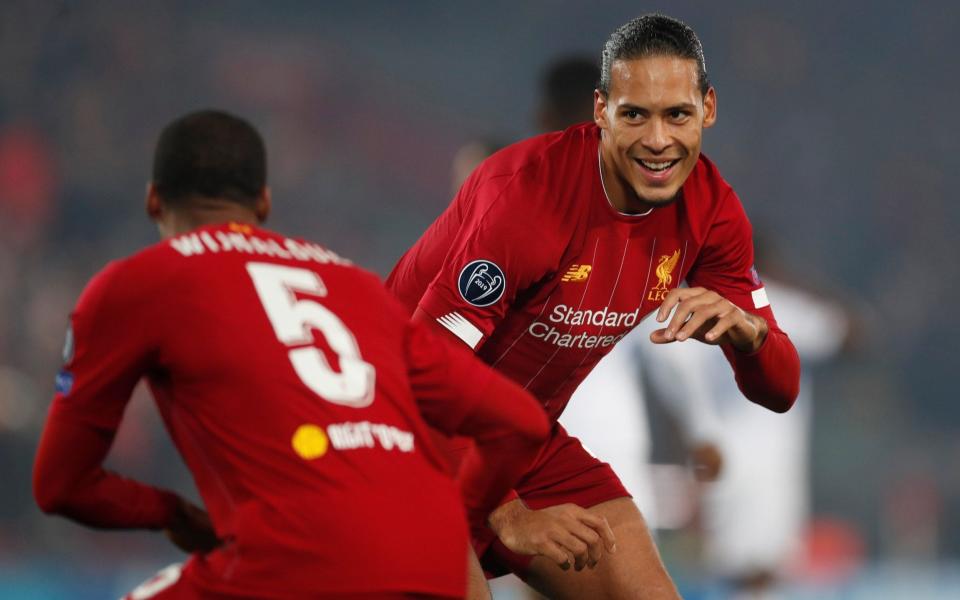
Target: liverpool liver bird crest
(665,267)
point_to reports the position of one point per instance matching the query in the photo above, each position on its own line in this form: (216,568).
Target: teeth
(657,166)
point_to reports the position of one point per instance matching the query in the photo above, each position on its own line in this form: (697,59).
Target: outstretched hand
(191,529)
(708,317)
(566,534)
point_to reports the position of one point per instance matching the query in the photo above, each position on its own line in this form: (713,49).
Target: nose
(655,137)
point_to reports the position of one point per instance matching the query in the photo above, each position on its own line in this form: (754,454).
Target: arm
(726,305)
(458,394)
(68,480)
(107,353)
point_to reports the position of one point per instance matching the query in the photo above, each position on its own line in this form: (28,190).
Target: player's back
(278,369)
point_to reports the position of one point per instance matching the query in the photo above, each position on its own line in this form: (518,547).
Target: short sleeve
(498,252)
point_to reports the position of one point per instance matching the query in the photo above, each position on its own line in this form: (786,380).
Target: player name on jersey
(195,244)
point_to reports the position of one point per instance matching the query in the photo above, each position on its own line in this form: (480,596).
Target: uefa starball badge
(481,283)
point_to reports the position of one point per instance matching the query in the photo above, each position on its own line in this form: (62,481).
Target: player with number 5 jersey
(296,390)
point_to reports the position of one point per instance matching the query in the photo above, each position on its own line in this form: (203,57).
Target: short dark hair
(653,35)
(212,154)
(567,89)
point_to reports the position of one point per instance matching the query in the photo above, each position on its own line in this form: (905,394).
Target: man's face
(652,121)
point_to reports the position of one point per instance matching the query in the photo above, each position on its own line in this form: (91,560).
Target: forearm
(770,376)
(509,428)
(68,480)
(488,473)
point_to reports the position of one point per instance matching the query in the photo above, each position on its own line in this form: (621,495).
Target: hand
(191,529)
(708,317)
(566,534)
(707,462)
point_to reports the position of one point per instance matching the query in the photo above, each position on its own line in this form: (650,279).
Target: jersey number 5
(293,320)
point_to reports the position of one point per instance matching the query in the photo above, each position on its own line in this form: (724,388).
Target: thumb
(658,336)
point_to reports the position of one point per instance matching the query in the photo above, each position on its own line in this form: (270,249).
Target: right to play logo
(481,283)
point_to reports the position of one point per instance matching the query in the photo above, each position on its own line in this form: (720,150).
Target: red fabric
(70,481)
(176,583)
(538,212)
(564,472)
(202,318)
(564,276)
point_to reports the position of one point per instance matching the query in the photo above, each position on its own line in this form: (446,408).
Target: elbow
(539,429)
(536,427)
(50,500)
(779,401)
(53,496)
(781,405)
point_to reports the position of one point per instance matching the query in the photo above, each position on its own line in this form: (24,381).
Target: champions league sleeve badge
(481,283)
(64,381)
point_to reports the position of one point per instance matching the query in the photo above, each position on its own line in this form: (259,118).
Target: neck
(200,214)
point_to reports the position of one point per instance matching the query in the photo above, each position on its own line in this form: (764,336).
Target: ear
(263,205)
(600,109)
(154,205)
(710,107)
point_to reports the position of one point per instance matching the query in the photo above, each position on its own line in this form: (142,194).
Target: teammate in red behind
(555,248)
(296,390)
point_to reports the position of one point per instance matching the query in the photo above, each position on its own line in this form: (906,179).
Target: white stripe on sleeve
(760,298)
(462,328)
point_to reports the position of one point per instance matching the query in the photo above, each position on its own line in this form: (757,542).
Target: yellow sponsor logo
(310,442)
(240,228)
(664,272)
(577,273)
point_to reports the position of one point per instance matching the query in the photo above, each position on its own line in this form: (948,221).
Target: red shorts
(174,583)
(564,472)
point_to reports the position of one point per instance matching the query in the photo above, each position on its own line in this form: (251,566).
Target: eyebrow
(681,106)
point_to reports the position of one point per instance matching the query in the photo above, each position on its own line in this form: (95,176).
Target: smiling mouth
(657,167)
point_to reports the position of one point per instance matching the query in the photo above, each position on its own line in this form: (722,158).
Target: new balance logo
(577,273)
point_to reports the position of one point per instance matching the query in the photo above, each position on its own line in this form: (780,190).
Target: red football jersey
(284,376)
(534,268)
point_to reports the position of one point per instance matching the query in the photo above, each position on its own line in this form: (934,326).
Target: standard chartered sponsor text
(566,338)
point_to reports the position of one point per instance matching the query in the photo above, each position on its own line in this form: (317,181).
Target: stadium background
(837,128)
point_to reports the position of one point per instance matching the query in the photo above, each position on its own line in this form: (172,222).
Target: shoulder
(708,185)
(711,201)
(542,163)
(538,152)
(122,283)
(534,184)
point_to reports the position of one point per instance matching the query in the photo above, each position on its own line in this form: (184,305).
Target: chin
(657,197)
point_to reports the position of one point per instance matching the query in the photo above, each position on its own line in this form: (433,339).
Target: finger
(659,336)
(735,323)
(593,541)
(701,317)
(685,309)
(602,527)
(674,297)
(574,546)
(722,326)
(557,554)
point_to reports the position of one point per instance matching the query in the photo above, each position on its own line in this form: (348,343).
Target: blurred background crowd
(835,127)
